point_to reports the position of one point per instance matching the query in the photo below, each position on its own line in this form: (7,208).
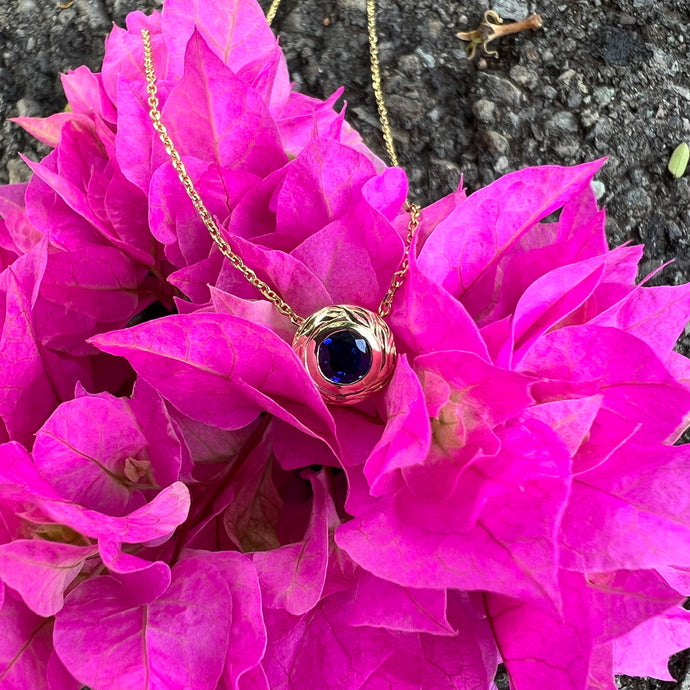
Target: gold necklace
(348,351)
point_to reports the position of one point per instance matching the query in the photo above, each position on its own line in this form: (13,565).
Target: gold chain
(412,209)
(376,82)
(272,10)
(399,276)
(270,294)
(155,114)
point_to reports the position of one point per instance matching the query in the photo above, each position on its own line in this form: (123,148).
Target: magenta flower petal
(148,645)
(316,191)
(143,580)
(578,235)
(59,678)
(83,292)
(292,576)
(645,651)
(236,32)
(298,645)
(139,153)
(489,222)
(40,571)
(571,419)
(86,94)
(19,235)
(382,604)
(407,437)
(25,646)
(21,483)
(174,220)
(616,607)
(656,315)
(304,118)
(352,270)
(92,468)
(231,122)
(587,360)
(409,540)
(426,318)
(157,519)
(635,486)
(551,651)
(49,129)
(22,408)
(197,363)
(166,454)
(124,53)
(247,642)
(549,300)
(294,280)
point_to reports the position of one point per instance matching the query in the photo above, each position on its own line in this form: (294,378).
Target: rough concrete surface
(600,78)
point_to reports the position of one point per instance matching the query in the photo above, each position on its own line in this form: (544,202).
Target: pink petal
(83,292)
(144,581)
(322,184)
(40,571)
(570,419)
(174,220)
(83,448)
(231,122)
(49,129)
(148,646)
(247,643)
(292,577)
(20,236)
(476,235)
(24,646)
(86,93)
(629,512)
(138,149)
(543,649)
(407,436)
(646,650)
(198,363)
(586,360)
(22,409)
(382,604)
(59,678)
(509,544)
(165,451)
(237,32)
(656,315)
(312,650)
(426,318)
(155,520)
(354,257)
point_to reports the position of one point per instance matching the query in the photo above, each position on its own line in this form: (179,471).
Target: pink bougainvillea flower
(179,508)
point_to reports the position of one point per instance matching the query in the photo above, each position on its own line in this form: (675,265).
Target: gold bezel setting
(364,324)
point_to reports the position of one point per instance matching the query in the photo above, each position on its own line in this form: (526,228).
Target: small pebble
(603,95)
(27,107)
(484,110)
(18,171)
(562,122)
(524,76)
(501,90)
(510,9)
(599,189)
(495,142)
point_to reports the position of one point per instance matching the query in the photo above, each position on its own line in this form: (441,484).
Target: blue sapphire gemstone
(344,357)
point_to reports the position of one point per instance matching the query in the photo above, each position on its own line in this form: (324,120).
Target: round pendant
(348,351)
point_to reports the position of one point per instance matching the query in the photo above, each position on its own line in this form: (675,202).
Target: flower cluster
(179,509)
